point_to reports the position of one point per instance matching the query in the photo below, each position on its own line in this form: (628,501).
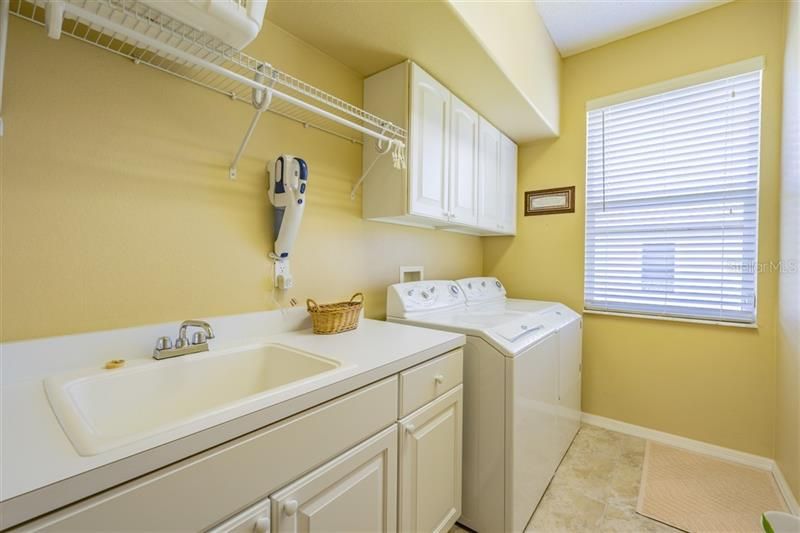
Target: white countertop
(37,454)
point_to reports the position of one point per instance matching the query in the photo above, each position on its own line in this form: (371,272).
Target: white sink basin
(105,409)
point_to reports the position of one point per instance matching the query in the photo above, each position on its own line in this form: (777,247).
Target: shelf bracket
(261,99)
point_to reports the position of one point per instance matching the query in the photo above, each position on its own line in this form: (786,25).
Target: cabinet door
(508,185)
(463,163)
(429,151)
(430,465)
(488,177)
(355,492)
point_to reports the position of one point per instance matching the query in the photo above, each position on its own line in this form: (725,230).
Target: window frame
(711,75)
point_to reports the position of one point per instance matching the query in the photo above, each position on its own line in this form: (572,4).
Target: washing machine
(522,383)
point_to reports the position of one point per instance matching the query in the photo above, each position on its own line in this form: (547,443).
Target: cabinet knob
(290,507)
(262,525)
(410,428)
(439,379)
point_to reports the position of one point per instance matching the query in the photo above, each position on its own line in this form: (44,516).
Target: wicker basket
(335,318)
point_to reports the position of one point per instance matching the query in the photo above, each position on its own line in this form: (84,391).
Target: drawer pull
(290,507)
(262,525)
(439,379)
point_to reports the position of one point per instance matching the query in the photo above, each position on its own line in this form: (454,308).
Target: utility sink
(100,410)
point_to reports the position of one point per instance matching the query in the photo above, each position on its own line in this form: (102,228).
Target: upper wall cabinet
(508,185)
(430,152)
(461,173)
(463,163)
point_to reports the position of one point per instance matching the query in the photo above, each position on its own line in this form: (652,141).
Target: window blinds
(672,202)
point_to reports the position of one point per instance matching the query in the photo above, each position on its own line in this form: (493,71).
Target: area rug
(702,494)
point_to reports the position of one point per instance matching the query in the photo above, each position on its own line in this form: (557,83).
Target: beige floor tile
(627,519)
(596,487)
(567,509)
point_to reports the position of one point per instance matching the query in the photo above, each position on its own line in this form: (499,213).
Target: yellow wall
(711,383)
(117,209)
(787,430)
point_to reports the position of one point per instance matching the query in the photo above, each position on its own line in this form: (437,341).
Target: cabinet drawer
(428,381)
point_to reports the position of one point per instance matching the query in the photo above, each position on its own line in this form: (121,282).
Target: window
(672,202)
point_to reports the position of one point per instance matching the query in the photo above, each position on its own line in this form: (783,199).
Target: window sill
(674,319)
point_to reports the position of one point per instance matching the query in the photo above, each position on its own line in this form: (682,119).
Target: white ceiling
(579,25)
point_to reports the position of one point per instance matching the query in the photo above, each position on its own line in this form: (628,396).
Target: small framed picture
(550,201)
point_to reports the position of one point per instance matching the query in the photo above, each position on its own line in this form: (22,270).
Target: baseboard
(757,461)
(749,459)
(786,490)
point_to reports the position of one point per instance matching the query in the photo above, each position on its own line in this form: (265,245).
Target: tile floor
(595,488)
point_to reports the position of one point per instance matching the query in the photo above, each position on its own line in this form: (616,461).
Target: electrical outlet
(283,276)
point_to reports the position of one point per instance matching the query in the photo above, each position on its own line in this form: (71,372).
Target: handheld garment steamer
(287,179)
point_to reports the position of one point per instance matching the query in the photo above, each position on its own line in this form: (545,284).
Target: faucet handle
(163,343)
(199,337)
(181,342)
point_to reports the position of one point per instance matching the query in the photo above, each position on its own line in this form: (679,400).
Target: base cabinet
(357,463)
(430,465)
(354,492)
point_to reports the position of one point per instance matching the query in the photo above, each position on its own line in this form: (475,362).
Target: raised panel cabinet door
(430,465)
(508,186)
(429,153)
(488,176)
(463,163)
(355,492)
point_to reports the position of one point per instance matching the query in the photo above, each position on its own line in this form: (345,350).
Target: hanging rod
(145,35)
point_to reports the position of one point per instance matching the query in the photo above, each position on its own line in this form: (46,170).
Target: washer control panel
(482,289)
(415,296)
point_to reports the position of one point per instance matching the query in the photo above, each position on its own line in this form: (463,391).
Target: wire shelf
(136,31)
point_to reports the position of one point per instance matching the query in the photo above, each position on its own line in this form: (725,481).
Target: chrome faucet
(164,348)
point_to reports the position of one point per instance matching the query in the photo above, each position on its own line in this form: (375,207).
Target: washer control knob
(426,295)
(499,285)
(454,289)
(483,283)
